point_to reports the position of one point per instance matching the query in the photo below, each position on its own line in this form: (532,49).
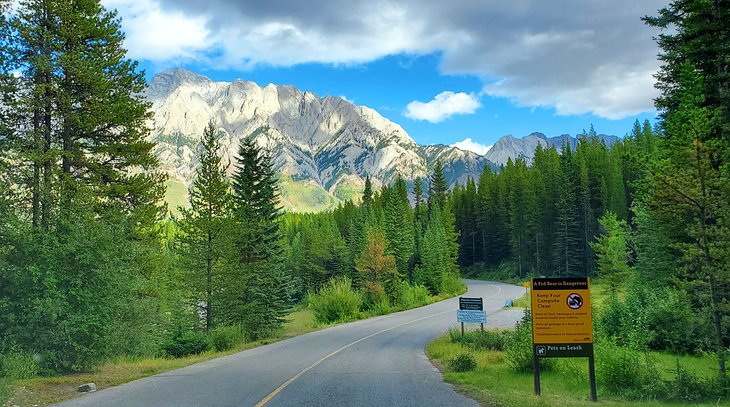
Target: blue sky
(477,70)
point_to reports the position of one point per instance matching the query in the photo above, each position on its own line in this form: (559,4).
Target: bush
(678,326)
(412,296)
(187,343)
(463,362)
(6,391)
(226,337)
(382,307)
(687,386)
(451,284)
(656,318)
(18,365)
(518,347)
(628,372)
(336,301)
(480,340)
(373,295)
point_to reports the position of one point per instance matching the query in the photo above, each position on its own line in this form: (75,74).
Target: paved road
(374,362)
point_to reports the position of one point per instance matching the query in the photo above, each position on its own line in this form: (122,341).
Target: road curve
(374,362)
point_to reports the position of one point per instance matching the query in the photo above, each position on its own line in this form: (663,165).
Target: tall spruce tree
(689,192)
(692,173)
(438,186)
(79,114)
(567,228)
(74,119)
(259,293)
(203,224)
(399,226)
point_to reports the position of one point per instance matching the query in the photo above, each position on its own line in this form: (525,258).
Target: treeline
(89,269)
(381,244)
(543,217)
(79,197)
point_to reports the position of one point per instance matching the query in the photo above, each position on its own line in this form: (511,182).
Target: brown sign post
(562,323)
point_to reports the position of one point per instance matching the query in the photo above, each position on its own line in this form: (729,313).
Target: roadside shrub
(478,340)
(18,365)
(488,340)
(336,301)
(655,318)
(6,391)
(226,337)
(412,296)
(451,284)
(678,326)
(373,295)
(382,307)
(463,362)
(688,386)
(518,348)
(187,343)
(628,372)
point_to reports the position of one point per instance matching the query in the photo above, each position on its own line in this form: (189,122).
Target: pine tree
(80,117)
(376,266)
(399,226)
(696,32)
(259,292)
(203,224)
(435,257)
(438,186)
(689,192)
(367,193)
(612,251)
(567,229)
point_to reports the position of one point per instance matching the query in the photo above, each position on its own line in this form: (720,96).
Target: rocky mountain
(511,147)
(323,147)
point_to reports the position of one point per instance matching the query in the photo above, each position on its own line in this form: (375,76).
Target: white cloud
(470,145)
(443,106)
(600,60)
(160,35)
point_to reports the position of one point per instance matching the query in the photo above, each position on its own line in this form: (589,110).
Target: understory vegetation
(94,267)
(624,376)
(96,271)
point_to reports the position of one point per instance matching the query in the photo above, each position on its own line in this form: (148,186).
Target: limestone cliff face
(323,142)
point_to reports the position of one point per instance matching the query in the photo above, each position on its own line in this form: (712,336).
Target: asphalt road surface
(375,362)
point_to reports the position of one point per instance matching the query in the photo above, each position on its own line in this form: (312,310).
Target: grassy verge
(495,383)
(42,391)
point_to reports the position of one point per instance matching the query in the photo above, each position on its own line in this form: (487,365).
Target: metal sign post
(562,323)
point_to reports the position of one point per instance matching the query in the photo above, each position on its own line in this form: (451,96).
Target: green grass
(299,196)
(494,383)
(522,302)
(176,195)
(345,191)
(42,391)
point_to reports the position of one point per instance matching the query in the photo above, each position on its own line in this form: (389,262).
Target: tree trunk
(47,161)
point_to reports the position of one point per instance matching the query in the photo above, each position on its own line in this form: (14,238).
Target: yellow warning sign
(561,311)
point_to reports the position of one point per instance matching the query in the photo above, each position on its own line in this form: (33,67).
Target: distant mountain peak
(324,145)
(511,147)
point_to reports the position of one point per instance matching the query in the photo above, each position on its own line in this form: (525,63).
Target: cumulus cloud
(160,35)
(470,145)
(443,106)
(598,57)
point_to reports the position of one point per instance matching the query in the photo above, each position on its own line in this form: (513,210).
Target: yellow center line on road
(313,365)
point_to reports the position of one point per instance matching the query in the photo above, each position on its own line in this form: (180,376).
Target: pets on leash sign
(562,323)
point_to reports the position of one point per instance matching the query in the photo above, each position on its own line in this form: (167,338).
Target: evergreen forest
(94,266)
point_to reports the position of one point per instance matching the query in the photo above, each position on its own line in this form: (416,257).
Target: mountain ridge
(323,147)
(325,142)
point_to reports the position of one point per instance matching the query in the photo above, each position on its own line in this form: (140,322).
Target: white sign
(471,317)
